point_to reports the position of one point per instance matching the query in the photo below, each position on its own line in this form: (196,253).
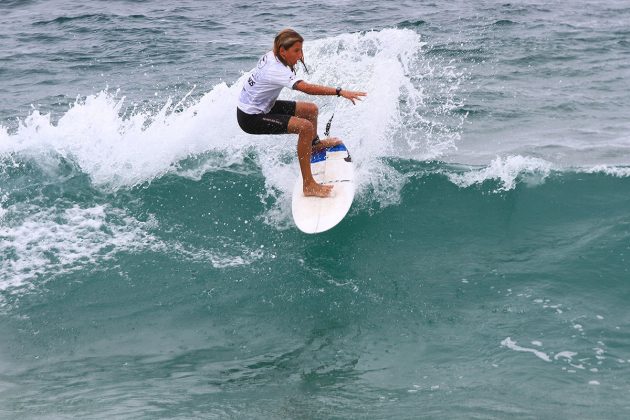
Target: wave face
(186,283)
(149,265)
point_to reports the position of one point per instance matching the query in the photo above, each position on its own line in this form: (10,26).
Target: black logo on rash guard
(262,61)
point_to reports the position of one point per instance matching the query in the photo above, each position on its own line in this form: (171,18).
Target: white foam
(48,242)
(232,255)
(122,151)
(121,148)
(42,243)
(616,171)
(507,170)
(565,355)
(512,345)
(3,211)
(599,353)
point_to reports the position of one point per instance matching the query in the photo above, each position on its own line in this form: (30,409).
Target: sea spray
(507,171)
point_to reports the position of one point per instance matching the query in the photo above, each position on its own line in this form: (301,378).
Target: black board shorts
(276,121)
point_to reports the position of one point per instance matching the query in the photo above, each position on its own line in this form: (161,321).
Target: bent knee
(312,108)
(306,110)
(300,125)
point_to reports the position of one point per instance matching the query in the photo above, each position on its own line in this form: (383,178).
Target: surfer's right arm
(312,89)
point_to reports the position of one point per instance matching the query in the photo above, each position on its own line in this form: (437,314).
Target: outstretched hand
(352,95)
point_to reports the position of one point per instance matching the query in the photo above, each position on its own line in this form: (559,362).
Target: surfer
(260,112)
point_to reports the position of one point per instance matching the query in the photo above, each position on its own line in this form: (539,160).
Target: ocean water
(150,268)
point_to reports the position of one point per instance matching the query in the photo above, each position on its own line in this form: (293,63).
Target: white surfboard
(332,166)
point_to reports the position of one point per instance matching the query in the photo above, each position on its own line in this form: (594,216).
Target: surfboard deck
(315,214)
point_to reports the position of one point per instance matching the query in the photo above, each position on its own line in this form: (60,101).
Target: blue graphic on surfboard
(332,166)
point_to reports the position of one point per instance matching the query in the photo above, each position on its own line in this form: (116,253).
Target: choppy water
(149,266)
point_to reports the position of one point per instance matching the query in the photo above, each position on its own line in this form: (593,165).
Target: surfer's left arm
(312,89)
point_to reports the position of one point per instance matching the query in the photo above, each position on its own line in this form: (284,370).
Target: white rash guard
(266,81)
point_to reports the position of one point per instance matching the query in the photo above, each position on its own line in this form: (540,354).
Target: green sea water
(150,268)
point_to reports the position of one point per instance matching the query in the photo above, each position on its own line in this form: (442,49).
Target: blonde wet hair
(286,38)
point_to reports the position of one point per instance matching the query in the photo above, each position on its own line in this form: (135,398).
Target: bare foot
(326,143)
(317,190)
